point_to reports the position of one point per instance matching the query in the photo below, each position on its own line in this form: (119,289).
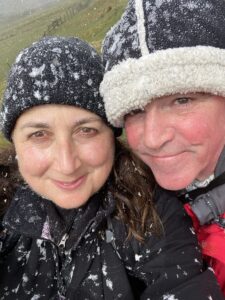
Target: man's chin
(173,183)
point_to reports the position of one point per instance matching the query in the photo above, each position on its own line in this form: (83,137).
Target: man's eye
(136,112)
(182,101)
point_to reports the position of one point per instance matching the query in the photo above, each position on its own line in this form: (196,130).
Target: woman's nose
(67,157)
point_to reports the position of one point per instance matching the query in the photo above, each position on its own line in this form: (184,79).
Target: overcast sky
(12,7)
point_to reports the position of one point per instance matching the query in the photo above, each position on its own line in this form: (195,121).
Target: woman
(84,226)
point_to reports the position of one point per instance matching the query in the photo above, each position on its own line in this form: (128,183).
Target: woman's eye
(88,131)
(37,135)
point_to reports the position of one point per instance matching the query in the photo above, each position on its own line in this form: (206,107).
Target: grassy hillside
(88,19)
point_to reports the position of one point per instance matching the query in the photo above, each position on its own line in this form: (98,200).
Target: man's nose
(157,130)
(67,157)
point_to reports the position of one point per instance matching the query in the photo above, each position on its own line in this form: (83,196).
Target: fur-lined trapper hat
(163,47)
(54,70)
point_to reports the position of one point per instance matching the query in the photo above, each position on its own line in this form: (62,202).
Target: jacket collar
(220,167)
(28,213)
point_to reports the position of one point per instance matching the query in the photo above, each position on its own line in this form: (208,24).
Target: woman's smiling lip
(70,185)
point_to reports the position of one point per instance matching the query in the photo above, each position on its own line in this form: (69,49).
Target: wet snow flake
(20,85)
(93,277)
(37,95)
(37,83)
(34,219)
(71,273)
(109,284)
(25,278)
(37,71)
(169,297)
(57,50)
(191,5)
(19,57)
(197,261)
(35,297)
(138,257)
(54,72)
(76,75)
(192,230)
(55,62)
(46,98)
(211,269)
(129,268)
(148,251)
(14,97)
(42,249)
(16,289)
(158,3)
(90,82)
(159,251)
(104,270)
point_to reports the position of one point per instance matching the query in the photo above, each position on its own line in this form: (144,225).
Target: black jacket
(52,253)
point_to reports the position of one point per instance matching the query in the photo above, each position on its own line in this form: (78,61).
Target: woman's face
(64,153)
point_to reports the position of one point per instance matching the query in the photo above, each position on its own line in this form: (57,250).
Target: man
(165,82)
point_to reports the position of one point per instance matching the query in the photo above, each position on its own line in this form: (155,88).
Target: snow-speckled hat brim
(133,83)
(160,48)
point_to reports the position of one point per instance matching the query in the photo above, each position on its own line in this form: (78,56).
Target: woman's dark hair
(133,188)
(9,177)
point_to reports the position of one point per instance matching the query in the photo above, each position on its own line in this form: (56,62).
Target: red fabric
(212,241)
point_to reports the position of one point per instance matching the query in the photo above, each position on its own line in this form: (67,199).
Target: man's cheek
(132,141)
(132,136)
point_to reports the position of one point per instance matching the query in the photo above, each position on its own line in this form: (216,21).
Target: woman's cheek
(32,161)
(97,153)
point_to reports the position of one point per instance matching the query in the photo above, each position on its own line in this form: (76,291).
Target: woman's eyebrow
(35,125)
(86,120)
(45,125)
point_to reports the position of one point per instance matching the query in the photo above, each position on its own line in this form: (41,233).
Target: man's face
(179,137)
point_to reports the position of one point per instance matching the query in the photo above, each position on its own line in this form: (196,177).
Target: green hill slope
(88,19)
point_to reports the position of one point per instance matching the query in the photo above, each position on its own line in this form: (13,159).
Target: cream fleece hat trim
(133,83)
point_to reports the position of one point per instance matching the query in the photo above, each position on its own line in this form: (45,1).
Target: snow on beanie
(160,48)
(53,70)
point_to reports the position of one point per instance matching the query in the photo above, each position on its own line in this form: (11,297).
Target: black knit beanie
(54,70)
(160,48)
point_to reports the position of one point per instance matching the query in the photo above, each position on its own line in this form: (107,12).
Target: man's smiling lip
(164,156)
